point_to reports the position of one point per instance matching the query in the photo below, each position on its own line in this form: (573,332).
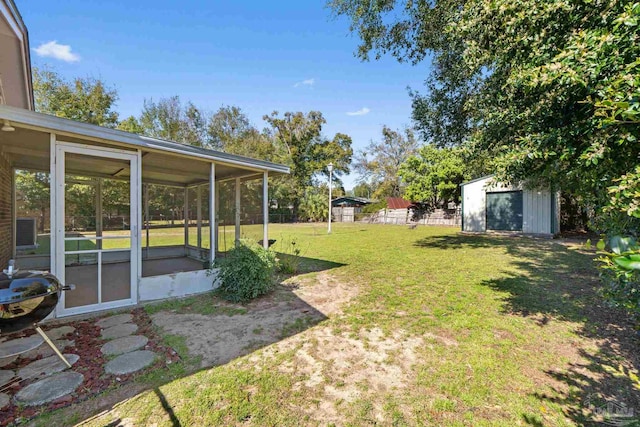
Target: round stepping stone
(6,376)
(124,345)
(45,350)
(47,366)
(19,345)
(49,389)
(130,362)
(114,320)
(119,331)
(7,360)
(4,400)
(57,333)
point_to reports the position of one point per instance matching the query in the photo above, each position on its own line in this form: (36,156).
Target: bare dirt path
(221,338)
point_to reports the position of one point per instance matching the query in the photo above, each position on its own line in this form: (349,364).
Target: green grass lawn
(166,236)
(509,331)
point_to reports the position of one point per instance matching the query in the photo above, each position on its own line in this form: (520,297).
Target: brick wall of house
(6,225)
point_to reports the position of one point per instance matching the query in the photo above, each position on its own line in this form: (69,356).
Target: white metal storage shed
(491,205)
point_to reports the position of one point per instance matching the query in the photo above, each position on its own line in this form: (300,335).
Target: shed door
(504,211)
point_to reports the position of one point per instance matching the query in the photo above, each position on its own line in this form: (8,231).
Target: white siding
(474,206)
(536,210)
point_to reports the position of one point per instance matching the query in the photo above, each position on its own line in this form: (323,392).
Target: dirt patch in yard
(338,368)
(292,308)
(341,369)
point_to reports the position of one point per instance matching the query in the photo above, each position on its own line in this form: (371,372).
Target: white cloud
(57,51)
(307,82)
(360,112)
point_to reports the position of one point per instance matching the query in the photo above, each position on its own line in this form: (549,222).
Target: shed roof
(360,200)
(482,178)
(398,203)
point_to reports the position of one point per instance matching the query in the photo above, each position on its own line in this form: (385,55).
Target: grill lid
(24,285)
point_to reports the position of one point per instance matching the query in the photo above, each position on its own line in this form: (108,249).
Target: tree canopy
(550,91)
(82,99)
(434,175)
(379,163)
(307,151)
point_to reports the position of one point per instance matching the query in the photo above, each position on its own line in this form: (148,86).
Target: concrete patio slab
(130,362)
(4,400)
(49,389)
(47,366)
(4,361)
(19,345)
(57,333)
(6,376)
(45,350)
(124,345)
(119,331)
(114,320)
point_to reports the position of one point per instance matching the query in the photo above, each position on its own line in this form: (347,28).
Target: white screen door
(97,238)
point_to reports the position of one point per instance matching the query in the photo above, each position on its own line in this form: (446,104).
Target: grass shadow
(551,282)
(308,265)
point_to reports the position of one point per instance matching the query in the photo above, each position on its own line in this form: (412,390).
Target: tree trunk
(296,208)
(43,213)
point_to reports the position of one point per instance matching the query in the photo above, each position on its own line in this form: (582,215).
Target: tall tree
(362,189)
(85,100)
(169,119)
(228,126)
(379,163)
(307,151)
(32,189)
(230,130)
(131,124)
(434,175)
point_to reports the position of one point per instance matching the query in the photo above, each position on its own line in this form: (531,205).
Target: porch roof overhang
(164,162)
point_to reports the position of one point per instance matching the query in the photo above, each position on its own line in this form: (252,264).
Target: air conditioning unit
(26,232)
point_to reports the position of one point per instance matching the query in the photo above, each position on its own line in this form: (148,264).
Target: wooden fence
(408,217)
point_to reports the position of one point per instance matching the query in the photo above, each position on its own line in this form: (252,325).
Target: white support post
(99,215)
(213,224)
(237,210)
(53,222)
(14,215)
(199,214)
(216,217)
(136,197)
(265,210)
(186,220)
(147,220)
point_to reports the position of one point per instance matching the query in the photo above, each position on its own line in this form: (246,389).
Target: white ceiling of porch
(29,149)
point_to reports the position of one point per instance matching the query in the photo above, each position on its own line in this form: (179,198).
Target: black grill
(26,298)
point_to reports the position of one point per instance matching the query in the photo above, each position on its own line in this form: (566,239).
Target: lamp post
(330,168)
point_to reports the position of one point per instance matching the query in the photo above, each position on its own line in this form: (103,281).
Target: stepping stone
(124,345)
(57,333)
(49,389)
(47,366)
(20,345)
(45,350)
(114,320)
(4,400)
(7,360)
(119,331)
(130,362)
(6,376)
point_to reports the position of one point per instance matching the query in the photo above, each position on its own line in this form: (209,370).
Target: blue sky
(261,56)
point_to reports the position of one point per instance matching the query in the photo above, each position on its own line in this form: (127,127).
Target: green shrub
(620,273)
(246,272)
(374,207)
